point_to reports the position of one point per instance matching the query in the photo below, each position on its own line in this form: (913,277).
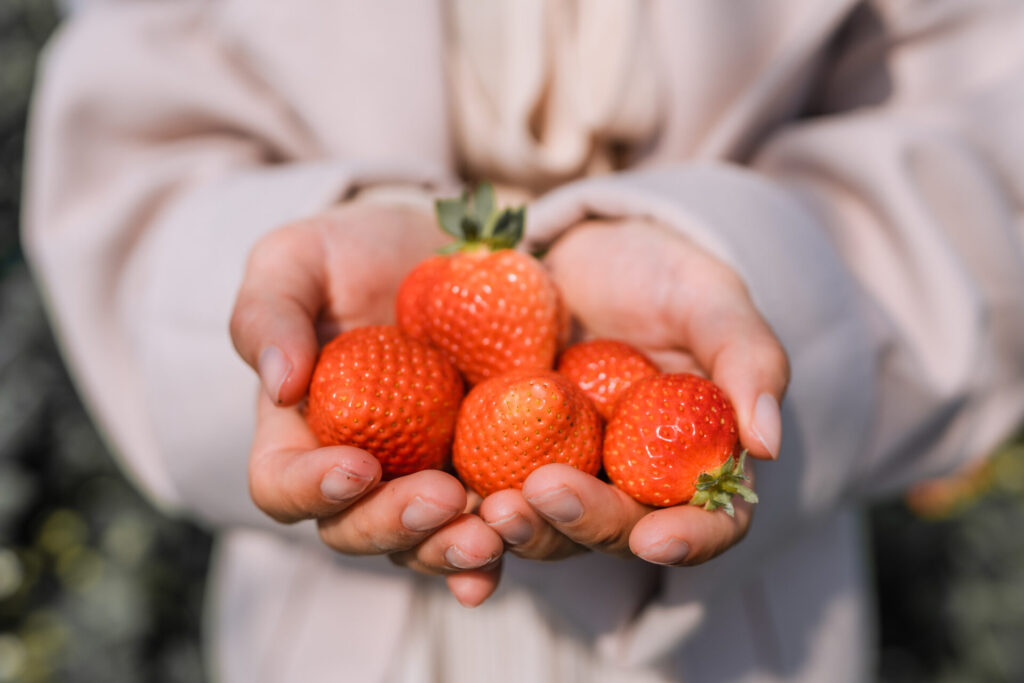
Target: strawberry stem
(474,220)
(716,488)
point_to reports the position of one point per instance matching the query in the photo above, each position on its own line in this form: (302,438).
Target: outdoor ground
(96,586)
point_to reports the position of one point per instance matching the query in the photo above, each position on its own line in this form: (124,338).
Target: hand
(639,282)
(305,283)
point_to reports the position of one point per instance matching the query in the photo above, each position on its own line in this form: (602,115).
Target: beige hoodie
(861,165)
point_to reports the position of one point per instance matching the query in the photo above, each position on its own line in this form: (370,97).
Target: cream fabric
(860,164)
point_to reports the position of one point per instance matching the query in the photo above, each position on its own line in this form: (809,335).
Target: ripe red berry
(414,293)
(487,307)
(673,439)
(603,369)
(512,424)
(379,389)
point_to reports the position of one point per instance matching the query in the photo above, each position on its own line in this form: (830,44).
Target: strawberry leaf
(474,220)
(715,489)
(470,230)
(508,228)
(483,206)
(450,215)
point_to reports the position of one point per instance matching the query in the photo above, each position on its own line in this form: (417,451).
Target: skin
(628,279)
(639,282)
(303,284)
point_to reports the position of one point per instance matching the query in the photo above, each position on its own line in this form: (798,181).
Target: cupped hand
(303,284)
(640,282)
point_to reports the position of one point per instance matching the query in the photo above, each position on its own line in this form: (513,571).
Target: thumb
(754,374)
(741,353)
(275,313)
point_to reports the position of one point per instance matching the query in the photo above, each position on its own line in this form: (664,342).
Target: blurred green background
(95,585)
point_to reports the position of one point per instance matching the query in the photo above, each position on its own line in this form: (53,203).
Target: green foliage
(716,489)
(95,585)
(475,220)
(951,587)
(24,26)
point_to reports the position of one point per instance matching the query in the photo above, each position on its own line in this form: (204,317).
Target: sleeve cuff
(193,391)
(804,291)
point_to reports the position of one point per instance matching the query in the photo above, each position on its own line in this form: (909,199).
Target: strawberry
(673,438)
(383,391)
(603,369)
(512,424)
(488,307)
(413,295)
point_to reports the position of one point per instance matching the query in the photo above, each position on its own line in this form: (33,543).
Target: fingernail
(422,515)
(340,484)
(514,529)
(560,505)
(767,423)
(460,560)
(273,368)
(672,551)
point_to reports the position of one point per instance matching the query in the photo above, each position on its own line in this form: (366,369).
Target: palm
(366,251)
(641,283)
(308,281)
(644,278)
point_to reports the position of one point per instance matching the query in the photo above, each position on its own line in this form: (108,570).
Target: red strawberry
(512,424)
(381,390)
(603,369)
(489,308)
(413,295)
(672,439)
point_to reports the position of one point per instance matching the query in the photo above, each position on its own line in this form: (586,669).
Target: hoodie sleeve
(158,155)
(883,241)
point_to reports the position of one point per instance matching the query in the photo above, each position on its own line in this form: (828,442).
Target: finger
(463,544)
(395,516)
(585,509)
(471,588)
(687,535)
(730,339)
(473,501)
(577,506)
(705,310)
(273,322)
(291,478)
(658,290)
(525,532)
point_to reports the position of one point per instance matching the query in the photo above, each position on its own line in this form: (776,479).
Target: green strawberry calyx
(475,221)
(716,488)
